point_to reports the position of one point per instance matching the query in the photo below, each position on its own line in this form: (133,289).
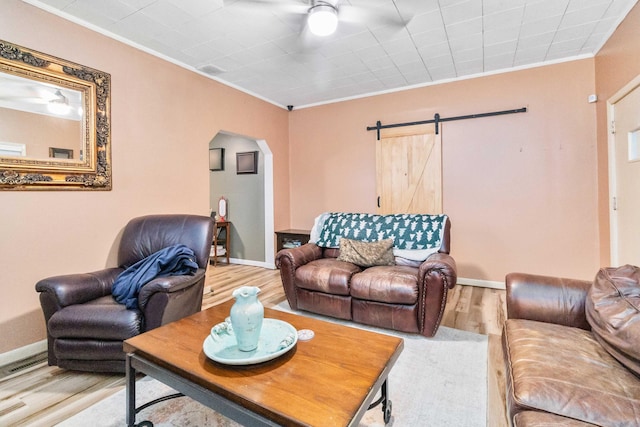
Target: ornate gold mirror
(55,120)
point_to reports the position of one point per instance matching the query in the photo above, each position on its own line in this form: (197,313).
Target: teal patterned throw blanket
(410,232)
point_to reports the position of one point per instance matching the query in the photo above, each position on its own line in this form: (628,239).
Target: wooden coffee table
(330,380)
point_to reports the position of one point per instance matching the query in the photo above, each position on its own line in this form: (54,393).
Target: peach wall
(163,118)
(520,189)
(39,132)
(616,64)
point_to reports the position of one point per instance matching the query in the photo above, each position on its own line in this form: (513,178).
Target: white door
(625,177)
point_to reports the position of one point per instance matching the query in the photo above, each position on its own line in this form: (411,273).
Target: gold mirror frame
(92,171)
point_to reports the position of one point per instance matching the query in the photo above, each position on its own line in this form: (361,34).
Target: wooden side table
(291,238)
(221,236)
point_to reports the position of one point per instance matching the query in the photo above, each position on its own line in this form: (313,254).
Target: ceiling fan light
(323,20)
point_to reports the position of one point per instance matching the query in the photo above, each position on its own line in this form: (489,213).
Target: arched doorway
(250,199)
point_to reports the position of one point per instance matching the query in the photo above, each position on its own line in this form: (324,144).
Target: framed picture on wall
(60,153)
(247,162)
(216,159)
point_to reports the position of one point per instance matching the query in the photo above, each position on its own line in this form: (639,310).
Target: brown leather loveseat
(571,349)
(400,293)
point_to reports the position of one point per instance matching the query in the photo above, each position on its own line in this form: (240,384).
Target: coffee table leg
(386,403)
(131,393)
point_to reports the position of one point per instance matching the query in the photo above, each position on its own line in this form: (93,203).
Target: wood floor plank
(43,395)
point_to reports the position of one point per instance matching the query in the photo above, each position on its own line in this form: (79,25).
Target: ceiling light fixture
(59,105)
(323,19)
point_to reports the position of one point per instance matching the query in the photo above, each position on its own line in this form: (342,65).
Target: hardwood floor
(41,395)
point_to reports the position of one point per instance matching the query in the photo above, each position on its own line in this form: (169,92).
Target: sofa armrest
(436,275)
(288,260)
(547,299)
(60,291)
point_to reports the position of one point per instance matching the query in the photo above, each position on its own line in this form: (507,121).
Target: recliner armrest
(443,263)
(301,255)
(168,284)
(61,291)
(547,299)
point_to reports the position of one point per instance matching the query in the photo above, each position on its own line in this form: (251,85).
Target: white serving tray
(276,338)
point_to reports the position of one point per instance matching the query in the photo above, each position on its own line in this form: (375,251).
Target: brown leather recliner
(409,296)
(86,326)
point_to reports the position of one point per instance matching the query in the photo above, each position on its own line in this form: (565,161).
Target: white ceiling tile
(465,43)
(398,45)
(499,62)
(581,16)
(467,55)
(164,11)
(579,31)
(406,57)
(442,73)
(503,19)
(434,50)
(494,6)
(470,67)
(618,7)
(198,8)
(528,56)
(435,36)
(425,22)
(501,35)
(462,11)
(100,13)
(500,48)
(536,41)
(542,26)
(535,11)
(136,4)
(464,29)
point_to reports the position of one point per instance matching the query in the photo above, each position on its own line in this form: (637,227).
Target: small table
(329,380)
(221,227)
(291,238)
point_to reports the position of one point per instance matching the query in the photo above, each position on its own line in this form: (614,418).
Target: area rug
(439,381)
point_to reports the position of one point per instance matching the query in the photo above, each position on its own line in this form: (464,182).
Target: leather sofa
(408,296)
(86,326)
(559,342)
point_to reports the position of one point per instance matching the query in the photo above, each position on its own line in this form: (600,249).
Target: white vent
(211,69)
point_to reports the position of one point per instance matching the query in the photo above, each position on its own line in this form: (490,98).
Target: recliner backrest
(146,235)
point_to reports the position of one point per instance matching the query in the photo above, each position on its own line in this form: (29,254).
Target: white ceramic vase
(246,317)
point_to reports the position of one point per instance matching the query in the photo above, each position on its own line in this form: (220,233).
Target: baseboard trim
(481,283)
(263,264)
(22,353)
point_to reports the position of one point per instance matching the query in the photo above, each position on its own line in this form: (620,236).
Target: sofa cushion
(613,311)
(326,275)
(388,284)
(565,371)
(366,254)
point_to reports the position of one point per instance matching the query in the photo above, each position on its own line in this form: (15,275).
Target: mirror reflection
(39,120)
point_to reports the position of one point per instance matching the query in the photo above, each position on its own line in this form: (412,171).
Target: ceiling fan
(323,17)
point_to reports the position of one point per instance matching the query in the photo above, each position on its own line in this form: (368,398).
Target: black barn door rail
(437,120)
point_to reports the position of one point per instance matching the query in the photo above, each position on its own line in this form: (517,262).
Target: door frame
(613,216)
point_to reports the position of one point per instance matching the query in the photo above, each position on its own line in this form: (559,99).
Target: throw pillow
(366,254)
(613,311)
